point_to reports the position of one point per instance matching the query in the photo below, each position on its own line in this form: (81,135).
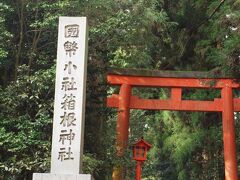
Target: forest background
(152,34)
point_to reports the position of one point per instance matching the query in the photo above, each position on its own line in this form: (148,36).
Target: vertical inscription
(69,85)
(68,124)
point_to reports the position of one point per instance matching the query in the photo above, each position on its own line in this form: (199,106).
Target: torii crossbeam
(124,101)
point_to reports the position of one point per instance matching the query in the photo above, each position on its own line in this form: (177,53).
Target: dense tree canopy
(152,34)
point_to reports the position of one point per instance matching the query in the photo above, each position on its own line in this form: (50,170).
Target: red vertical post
(122,127)
(123,118)
(138,170)
(231,171)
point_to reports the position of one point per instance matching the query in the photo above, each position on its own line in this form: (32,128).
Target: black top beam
(174,74)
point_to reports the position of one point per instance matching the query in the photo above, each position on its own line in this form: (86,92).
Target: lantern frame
(140,149)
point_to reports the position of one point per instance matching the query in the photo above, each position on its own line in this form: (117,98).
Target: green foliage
(91,164)
(220,38)
(153,34)
(26,120)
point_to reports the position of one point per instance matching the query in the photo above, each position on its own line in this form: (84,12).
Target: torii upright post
(122,127)
(231,172)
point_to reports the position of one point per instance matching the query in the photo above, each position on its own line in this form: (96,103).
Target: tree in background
(153,34)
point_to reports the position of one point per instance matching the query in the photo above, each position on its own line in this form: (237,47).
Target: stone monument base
(49,176)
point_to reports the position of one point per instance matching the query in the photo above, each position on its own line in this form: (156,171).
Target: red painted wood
(231,171)
(156,104)
(123,118)
(122,127)
(139,170)
(176,94)
(140,149)
(226,104)
(236,102)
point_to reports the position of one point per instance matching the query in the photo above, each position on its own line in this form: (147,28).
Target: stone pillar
(69,103)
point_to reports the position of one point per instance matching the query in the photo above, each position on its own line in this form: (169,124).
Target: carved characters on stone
(70,48)
(68,101)
(72,30)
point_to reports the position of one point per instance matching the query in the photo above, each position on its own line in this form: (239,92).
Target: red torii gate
(124,101)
